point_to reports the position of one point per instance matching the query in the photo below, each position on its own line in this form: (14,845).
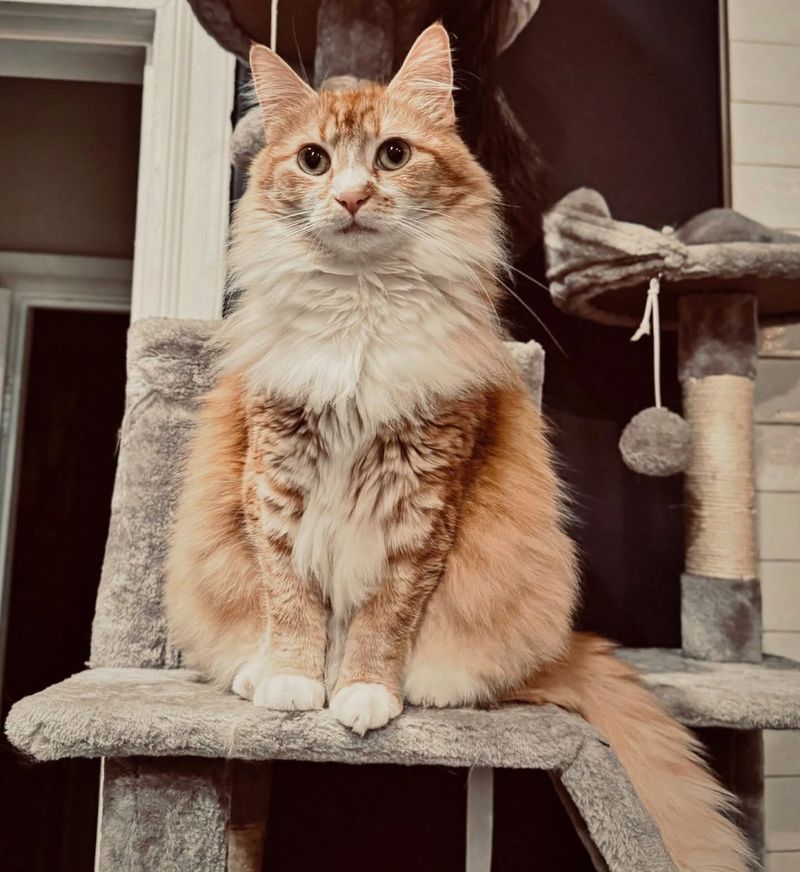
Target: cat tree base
(721,618)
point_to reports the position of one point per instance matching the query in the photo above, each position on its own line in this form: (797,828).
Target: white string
(273,25)
(651,314)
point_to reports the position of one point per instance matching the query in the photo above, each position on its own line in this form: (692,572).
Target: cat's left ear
(277,85)
(426,77)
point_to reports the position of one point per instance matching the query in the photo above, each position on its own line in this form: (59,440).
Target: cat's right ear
(277,85)
(426,77)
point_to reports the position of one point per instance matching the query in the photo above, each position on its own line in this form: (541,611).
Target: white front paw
(364,706)
(289,693)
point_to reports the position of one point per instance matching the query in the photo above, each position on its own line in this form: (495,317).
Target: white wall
(764,55)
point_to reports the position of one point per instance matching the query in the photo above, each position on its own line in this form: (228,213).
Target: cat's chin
(354,239)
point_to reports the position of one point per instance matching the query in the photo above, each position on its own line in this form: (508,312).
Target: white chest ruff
(391,343)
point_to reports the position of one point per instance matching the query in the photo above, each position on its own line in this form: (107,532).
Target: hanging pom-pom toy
(656,441)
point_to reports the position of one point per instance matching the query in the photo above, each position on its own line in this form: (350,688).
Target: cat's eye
(313,159)
(393,154)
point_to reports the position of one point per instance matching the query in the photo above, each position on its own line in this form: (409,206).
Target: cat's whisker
(477,283)
(525,306)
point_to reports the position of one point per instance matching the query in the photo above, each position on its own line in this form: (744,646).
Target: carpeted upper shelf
(599,268)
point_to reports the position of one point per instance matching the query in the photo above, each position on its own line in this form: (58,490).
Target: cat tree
(717,274)
(185,774)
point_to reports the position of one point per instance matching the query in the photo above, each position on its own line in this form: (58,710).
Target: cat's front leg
(288,671)
(368,690)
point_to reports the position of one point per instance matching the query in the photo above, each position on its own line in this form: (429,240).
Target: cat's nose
(352,200)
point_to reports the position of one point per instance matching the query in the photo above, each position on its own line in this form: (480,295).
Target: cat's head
(371,171)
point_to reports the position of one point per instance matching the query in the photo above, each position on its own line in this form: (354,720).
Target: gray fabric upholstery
(625,842)
(721,618)
(599,267)
(107,712)
(127,712)
(165,816)
(698,693)
(130,712)
(169,367)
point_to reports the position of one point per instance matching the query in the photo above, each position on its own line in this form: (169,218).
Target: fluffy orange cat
(370,512)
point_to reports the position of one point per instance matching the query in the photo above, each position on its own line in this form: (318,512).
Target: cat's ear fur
(426,77)
(277,85)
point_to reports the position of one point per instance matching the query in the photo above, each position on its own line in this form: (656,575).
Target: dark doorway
(72,409)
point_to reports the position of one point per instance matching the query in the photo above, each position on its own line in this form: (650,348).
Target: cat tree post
(720,593)
(354,38)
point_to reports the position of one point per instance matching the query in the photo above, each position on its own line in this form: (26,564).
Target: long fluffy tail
(663,759)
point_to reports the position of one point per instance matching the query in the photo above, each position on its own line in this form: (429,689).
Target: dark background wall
(71,412)
(621,96)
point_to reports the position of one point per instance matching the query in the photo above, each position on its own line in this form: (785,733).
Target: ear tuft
(277,86)
(426,77)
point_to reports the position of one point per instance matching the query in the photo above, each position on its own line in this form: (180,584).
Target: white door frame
(187,99)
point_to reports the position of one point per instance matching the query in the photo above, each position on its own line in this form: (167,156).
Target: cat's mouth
(355,227)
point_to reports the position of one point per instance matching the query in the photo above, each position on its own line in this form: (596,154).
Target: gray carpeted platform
(161,712)
(742,696)
(139,713)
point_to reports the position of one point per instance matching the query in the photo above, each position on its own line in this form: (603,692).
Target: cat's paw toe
(365,706)
(289,693)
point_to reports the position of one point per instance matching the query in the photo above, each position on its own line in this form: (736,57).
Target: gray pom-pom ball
(656,442)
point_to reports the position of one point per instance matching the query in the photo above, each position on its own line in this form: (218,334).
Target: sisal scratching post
(721,599)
